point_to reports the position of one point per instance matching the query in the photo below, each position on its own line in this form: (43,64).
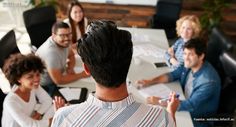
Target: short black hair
(59,25)
(198,45)
(17,65)
(107,52)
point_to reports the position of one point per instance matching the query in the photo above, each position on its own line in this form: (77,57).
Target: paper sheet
(159,90)
(70,93)
(148,50)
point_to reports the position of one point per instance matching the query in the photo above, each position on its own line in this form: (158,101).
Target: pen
(167,98)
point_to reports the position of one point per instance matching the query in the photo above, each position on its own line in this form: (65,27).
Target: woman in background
(77,21)
(27,102)
(188,27)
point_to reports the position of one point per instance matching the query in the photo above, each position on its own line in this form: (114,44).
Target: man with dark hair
(56,53)
(106,52)
(199,80)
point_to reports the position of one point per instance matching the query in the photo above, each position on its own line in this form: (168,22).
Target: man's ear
(86,69)
(202,56)
(53,35)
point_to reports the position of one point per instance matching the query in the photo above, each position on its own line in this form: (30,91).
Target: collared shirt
(204,98)
(124,113)
(178,51)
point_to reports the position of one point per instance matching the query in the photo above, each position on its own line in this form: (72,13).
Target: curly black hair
(17,65)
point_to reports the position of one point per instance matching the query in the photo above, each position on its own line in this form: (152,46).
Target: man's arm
(59,78)
(71,62)
(148,82)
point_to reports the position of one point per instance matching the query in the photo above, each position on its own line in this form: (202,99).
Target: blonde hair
(196,26)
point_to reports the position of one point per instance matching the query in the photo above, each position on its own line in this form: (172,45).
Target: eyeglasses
(64,35)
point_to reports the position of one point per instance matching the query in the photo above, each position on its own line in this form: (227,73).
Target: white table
(144,69)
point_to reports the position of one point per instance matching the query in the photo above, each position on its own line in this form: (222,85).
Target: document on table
(148,50)
(149,53)
(159,90)
(70,93)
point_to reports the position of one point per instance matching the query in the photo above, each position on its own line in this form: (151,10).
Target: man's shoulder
(163,116)
(65,111)
(48,43)
(208,74)
(209,70)
(47,48)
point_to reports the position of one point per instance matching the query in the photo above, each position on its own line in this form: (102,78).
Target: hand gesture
(172,104)
(58,102)
(153,100)
(171,52)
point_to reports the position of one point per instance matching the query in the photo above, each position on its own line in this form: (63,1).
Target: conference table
(142,69)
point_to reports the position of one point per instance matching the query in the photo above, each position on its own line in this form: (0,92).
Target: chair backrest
(167,13)
(2,97)
(217,43)
(8,46)
(38,23)
(228,61)
(228,94)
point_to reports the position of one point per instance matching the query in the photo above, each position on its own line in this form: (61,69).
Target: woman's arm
(44,99)
(16,110)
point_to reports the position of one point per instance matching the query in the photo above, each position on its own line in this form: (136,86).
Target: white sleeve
(44,99)
(15,109)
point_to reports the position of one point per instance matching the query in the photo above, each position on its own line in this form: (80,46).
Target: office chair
(38,23)
(2,97)
(227,104)
(8,46)
(167,13)
(217,44)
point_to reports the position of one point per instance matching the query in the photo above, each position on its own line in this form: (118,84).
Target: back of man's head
(107,52)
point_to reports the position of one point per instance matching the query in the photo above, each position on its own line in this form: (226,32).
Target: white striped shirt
(124,113)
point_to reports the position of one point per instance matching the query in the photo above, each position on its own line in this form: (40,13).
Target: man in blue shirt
(199,80)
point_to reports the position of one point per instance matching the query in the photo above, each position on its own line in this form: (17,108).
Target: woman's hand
(58,102)
(171,52)
(36,115)
(173,61)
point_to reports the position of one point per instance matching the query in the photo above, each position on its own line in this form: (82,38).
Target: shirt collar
(196,74)
(92,100)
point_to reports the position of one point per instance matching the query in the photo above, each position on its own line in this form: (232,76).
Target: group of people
(199,80)
(34,77)
(106,52)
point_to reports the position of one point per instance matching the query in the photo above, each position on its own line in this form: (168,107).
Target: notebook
(74,95)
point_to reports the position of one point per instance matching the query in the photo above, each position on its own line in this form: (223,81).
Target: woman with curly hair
(26,104)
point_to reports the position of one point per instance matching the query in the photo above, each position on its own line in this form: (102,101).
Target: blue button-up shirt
(204,99)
